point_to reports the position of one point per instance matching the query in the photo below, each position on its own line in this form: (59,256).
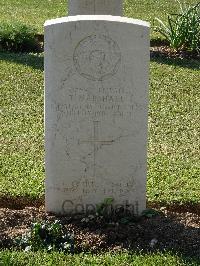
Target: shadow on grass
(36,61)
(186,63)
(175,230)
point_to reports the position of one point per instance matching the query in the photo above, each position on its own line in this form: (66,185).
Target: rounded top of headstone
(95,7)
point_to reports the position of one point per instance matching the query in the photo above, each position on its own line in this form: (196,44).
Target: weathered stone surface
(95,7)
(96,106)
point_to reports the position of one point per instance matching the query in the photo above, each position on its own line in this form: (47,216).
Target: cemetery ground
(171,237)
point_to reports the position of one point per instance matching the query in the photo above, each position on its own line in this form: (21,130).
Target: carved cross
(97,143)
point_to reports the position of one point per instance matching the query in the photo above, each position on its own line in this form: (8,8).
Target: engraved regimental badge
(97,57)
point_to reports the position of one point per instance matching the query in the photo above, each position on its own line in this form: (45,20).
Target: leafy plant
(102,208)
(47,236)
(17,37)
(149,213)
(183,29)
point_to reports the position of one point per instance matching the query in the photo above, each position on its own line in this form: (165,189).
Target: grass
(37,11)
(22,170)
(173,119)
(173,156)
(32,12)
(40,258)
(174,143)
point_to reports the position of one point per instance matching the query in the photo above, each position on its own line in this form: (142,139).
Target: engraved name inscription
(97,102)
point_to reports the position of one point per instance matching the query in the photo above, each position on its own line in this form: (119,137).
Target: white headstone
(96,106)
(95,7)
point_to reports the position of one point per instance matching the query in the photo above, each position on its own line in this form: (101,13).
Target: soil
(161,49)
(167,52)
(174,228)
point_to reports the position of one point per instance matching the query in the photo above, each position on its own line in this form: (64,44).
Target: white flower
(153,242)
(27,249)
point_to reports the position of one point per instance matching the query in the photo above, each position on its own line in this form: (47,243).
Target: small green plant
(149,213)
(47,236)
(102,208)
(17,37)
(183,29)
